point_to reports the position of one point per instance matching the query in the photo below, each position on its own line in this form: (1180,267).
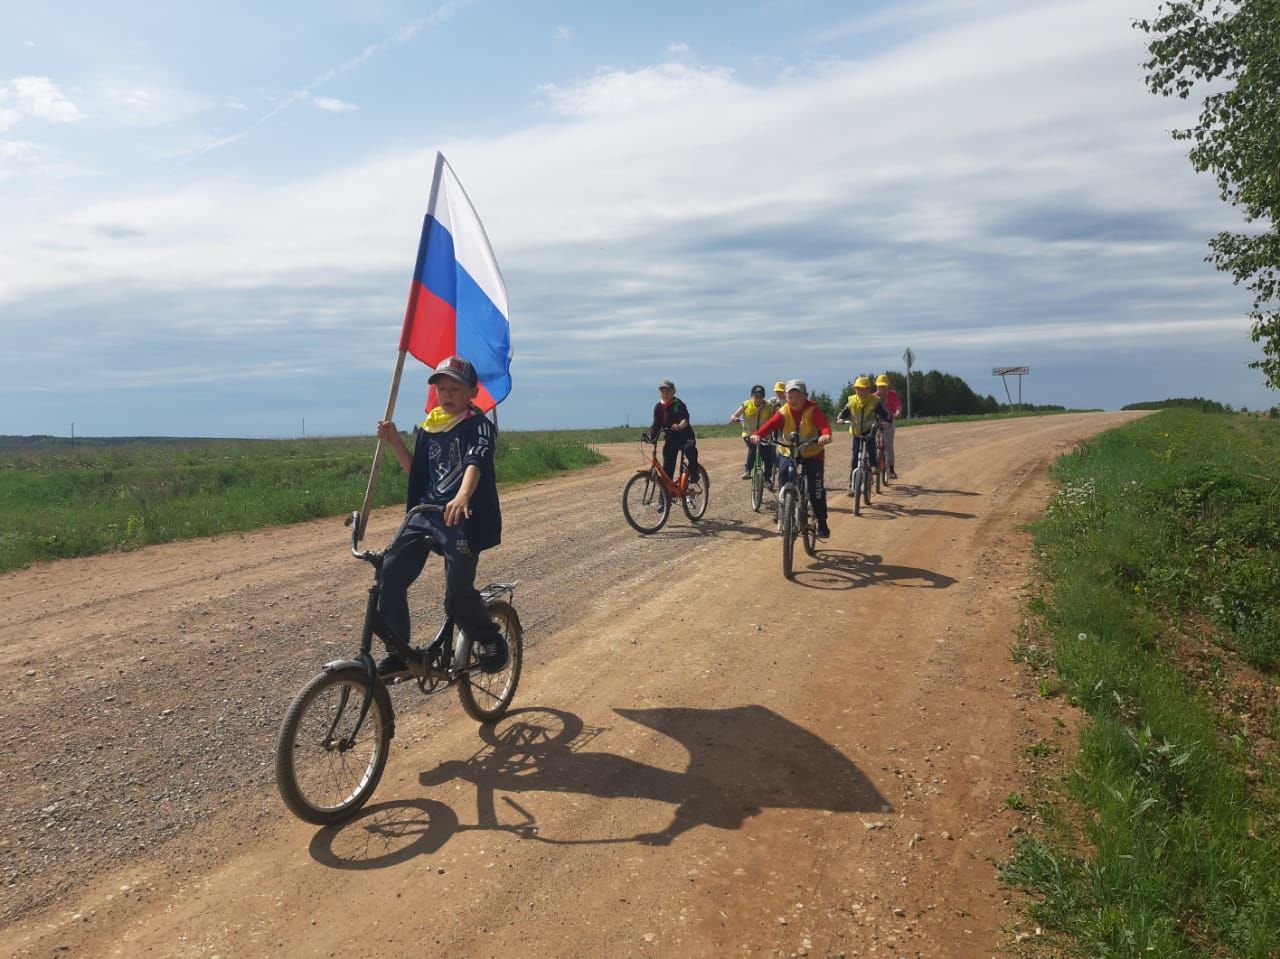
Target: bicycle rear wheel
(645,503)
(486,696)
(696,494)
(757,485)
(324,774)
(787,527)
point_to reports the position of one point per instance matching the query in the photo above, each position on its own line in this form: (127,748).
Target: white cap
(797,385)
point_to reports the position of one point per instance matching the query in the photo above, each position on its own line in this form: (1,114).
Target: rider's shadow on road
(843,569)
(742,760)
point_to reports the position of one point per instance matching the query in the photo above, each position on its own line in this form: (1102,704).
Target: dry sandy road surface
(703,759)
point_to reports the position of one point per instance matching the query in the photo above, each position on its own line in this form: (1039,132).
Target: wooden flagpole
(377,452)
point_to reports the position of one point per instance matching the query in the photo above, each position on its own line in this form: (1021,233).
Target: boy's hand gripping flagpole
(457,305)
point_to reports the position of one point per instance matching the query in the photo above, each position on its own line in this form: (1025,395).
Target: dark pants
(814,469)
(766,454)
(403,563)
(671,449)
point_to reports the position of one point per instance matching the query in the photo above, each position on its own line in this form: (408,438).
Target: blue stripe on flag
(439,273)
(483,336)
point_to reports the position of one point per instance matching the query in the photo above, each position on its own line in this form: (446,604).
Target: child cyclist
(753,412)
(671,414)
(890,400)
(451,467)
(802,415)
(779,395)
(862,412)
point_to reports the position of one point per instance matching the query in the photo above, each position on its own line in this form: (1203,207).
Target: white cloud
(564,34)
(331,105)
(615,92)
(41,98)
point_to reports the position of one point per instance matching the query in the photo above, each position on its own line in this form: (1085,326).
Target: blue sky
(211,211)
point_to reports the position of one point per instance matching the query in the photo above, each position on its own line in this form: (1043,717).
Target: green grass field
(1161,619)
(59,501)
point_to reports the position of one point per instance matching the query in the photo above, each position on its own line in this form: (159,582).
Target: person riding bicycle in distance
(890,400)
(671,414)
(862,412)
(754,411)
(452,467)
(802,415)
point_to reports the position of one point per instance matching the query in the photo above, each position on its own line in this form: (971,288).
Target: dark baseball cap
(457,368)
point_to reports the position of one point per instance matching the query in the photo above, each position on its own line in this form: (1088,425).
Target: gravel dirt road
(703,759)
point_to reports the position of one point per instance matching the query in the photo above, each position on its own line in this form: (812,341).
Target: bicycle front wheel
(855,487)
(757,487)
(486,696)
(808,531)
(696,495)
(645,503)
(787,527)
(325,769)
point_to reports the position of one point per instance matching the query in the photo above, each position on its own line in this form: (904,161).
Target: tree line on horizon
(1198,403)
(932,394)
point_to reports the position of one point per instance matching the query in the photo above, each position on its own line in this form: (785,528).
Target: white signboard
(1010,370)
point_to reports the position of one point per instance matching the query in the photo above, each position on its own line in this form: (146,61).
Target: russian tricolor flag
(458,302)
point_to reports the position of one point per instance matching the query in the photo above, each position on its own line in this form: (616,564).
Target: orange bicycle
(646,499)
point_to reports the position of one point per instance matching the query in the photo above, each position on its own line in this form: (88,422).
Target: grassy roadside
(59,502)
(1160,618)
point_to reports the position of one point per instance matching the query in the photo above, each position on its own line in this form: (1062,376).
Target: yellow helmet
(862,383)
(779,387)
(882,380)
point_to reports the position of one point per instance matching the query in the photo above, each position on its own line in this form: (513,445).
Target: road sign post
(1005,371)
(909,358)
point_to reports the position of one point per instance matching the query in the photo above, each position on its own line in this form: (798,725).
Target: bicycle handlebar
(796,444)
(370,554)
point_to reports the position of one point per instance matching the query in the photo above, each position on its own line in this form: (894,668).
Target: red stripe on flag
(431,331)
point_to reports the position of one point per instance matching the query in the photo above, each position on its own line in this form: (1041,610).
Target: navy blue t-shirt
(439,461)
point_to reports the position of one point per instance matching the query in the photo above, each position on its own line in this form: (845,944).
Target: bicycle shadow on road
(717,527)
(882,509)
(742,760)
(910,489)
(845,569)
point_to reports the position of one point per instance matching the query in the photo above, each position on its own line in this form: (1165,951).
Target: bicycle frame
(431,667)
(793,494)
(675,488)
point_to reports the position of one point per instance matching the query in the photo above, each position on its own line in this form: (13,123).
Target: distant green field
(59,500)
